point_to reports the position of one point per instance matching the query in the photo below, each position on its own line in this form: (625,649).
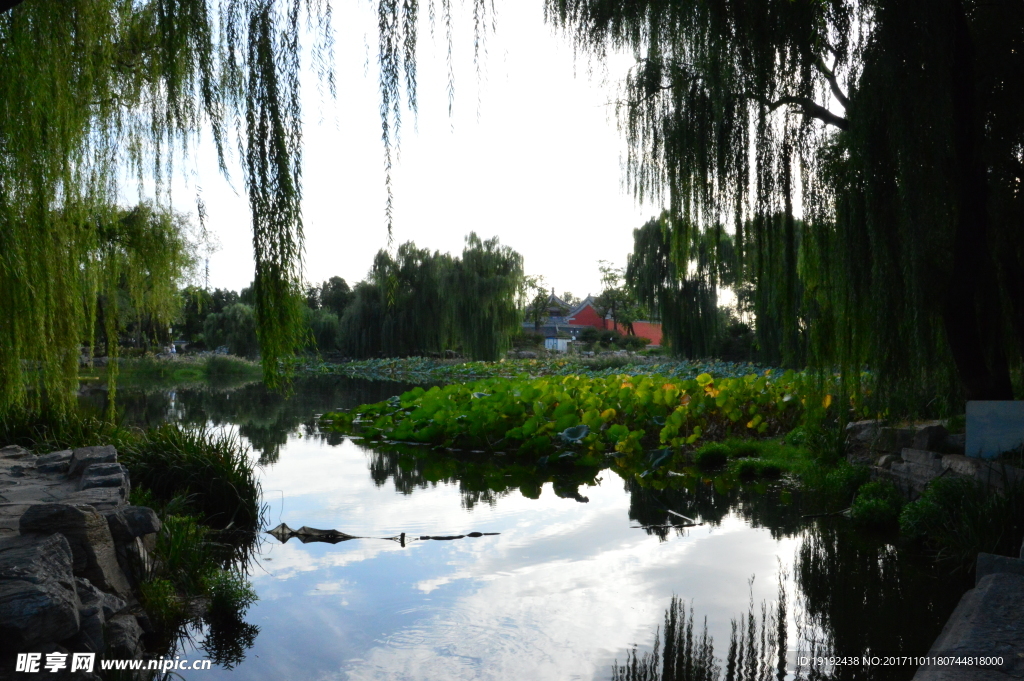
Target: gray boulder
(13,452)
(863,432)
(104,475)
(54,462)
(123,635)
(100,498)
(38,601)
(83,457)
(108,604)
(128,522)
(89,536)
(931,437)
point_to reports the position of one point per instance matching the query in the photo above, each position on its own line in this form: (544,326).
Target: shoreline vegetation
(203,487)
(762,431)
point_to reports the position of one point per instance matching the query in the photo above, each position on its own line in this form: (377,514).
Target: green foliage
(421,369)
(484,286)
(528,340)
(62,270)
(958,517)
(97,91)
(401,309)
(878,505)
(685,298)
(711,456)
(235,328)
(624,414)
(213,469)
(726,100)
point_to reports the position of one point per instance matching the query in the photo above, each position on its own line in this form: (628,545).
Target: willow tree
(94,89)
(679,283)
(401,309)
(894,126)
(484,289)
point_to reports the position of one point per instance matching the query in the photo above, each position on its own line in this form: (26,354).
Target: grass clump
(213,468)
(711,456)
(877,505)
(750,469)
(957,518)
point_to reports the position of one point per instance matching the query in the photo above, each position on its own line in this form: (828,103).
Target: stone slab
(990,564)
(986,623)
(82,457)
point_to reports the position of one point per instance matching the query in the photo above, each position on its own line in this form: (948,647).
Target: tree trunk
(975,340)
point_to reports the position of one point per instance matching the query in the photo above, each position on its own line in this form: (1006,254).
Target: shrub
(711,456)
(634,342)
(878,505)
(958,517)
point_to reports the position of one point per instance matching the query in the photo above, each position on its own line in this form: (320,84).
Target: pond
(568,577)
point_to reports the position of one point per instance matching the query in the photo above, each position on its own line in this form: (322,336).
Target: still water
(579,573)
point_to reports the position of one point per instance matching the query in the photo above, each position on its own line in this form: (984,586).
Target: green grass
(187,369)
(956,518)
(211,468)
(877,505)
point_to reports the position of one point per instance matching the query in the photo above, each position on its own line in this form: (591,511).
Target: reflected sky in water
(565,589)
(557,595)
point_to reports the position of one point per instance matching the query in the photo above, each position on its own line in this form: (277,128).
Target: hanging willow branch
(90,89)
(894,127)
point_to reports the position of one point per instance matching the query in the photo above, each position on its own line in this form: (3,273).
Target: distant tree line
(413,302)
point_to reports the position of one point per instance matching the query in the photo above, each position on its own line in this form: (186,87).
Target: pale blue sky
(531,155)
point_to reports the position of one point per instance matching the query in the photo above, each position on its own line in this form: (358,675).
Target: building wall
(650,330)
(588,317)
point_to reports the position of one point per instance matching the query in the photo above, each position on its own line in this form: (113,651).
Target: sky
(530,154)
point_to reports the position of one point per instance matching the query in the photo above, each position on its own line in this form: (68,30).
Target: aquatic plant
(878,505)
(214,468)
(624,414)
(957,517)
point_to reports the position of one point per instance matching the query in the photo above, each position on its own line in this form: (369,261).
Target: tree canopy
(894,128)
(95,89)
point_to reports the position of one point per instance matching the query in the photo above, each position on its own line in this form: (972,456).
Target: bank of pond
(692,454)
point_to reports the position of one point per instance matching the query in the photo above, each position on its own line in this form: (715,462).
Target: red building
(570,323)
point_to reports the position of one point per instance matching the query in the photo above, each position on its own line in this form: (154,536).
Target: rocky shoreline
(72,555)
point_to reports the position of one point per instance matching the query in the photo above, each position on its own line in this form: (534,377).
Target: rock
(893,439)
(990,564)
(82,457)
(37,559)
(923,457)
(89,638)
(108,604)
(887,460)
(100,498)
(955,444)
(89,536)
(38,601)
(104,475)
(54,462)
(986,623)
(930,437)
(13,452)
(961,465)
(123,633)
(864,432)
(128,522)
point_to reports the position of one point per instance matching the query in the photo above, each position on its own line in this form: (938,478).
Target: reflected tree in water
(862,596)
(757,647)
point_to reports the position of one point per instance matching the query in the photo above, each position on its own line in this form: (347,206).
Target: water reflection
(265,418)
(858,596)
(567,585)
